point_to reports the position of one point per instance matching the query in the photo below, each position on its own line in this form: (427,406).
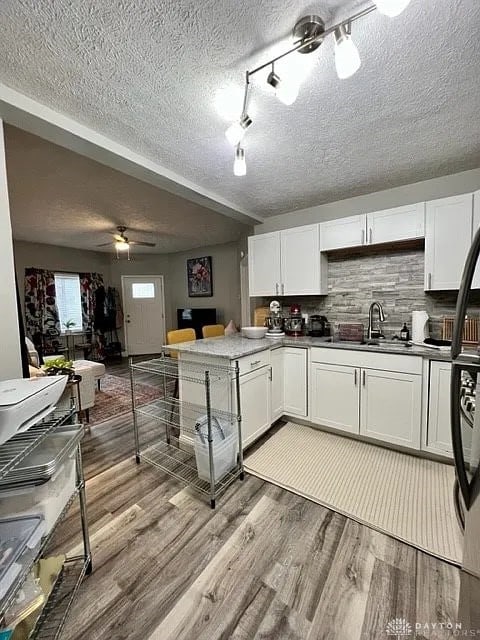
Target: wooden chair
(175,337)
(213,330)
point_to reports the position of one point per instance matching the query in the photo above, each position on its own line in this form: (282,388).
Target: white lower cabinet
(391,407)
(385,405)
(439,439)
(295,381)
(335,396)
(255,392)
(278,378)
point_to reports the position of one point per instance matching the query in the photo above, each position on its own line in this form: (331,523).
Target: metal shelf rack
(52,618)
(207,426)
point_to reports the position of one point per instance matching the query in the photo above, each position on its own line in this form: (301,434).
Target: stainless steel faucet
(381,318)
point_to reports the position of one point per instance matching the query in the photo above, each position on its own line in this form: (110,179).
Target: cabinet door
(304,270)
(439,438)
(277,382)
(448,235)
(344,232)
(295,385)
(391,407)
(476,225)
(255,404)
(335,396)
(393,225)
(264,264)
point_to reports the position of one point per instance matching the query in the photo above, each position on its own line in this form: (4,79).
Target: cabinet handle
(271,373)
(370,234)
(355,376)
(283,288)
(276,288)
(429,281)
(363,236)
(363,377)
(254,364)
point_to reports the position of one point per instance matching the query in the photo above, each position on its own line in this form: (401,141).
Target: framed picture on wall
(199,277)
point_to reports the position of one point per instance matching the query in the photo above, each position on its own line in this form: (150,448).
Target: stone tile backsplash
(392,277)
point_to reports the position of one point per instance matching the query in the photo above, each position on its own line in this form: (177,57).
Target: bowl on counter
(255,333)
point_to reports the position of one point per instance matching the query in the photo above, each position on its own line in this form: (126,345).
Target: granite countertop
(236,346)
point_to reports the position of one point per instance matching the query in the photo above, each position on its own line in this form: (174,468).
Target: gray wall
(393,277)
(445,186)
(226,281)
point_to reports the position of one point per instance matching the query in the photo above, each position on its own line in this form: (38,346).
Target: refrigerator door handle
(456,427)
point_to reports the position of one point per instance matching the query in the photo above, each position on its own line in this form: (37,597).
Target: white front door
(144,311)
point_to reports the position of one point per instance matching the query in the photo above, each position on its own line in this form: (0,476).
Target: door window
(143,290)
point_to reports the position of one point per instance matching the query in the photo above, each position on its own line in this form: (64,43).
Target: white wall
(445,186)
(10,360)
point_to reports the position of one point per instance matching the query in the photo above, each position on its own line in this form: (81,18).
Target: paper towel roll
(419,326)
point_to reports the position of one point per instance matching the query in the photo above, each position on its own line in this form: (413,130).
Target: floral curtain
(92,292)
(42,321)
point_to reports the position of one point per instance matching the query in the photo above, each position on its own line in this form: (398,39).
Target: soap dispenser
(404,333)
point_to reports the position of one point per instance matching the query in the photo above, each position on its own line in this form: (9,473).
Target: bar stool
(213,330)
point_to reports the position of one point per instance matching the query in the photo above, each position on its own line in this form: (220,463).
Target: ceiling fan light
(121,246)
(391,8)
(286,92)
(236,131)
(239,164)
(347,58)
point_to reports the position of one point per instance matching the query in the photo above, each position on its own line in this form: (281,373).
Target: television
(196,319)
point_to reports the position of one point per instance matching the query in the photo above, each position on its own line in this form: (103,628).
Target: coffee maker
(319,326)
(294,322)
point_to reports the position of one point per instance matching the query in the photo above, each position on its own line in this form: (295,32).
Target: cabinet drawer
(367,359)
(254,361)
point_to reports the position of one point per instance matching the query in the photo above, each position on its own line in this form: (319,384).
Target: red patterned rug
(115,398)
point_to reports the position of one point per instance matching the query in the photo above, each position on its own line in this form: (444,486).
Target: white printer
(25,401)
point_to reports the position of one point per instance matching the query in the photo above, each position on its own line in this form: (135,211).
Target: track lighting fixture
(286,92)
(391,8)
(239,164)
(236,131)
(347,58)
(308,34)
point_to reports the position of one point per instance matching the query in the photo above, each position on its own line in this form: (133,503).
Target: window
(67,287)
(143,290)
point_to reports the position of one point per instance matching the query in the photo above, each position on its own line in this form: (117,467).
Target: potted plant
(69,324)
(59,367)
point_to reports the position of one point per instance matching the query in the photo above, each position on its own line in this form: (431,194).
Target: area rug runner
(403,496)
(115,398)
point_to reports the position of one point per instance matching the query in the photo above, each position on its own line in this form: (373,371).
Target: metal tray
(46,459)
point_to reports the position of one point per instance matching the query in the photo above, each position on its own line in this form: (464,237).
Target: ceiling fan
(122,244)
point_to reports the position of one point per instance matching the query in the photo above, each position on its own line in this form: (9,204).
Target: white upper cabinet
(448,235)
(304,270)
(264,264)
(343,233)
(287,263)
(476,225)
(394,225)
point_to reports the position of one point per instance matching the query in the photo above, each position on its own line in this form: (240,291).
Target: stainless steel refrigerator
(465,426)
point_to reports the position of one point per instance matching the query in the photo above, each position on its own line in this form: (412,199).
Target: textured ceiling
(59,197)
(151,74)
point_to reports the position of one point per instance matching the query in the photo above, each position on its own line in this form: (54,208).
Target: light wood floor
(266,564)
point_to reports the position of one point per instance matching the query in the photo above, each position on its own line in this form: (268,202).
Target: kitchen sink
(388,344)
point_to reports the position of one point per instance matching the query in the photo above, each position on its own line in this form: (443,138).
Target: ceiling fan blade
(142,244)
(105,244)
(119,238)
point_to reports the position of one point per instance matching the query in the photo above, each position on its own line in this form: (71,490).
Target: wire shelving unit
(199,439)
(52,618)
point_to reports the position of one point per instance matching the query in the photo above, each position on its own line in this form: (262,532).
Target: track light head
(391,8)
(236,131)
(286,92)
(347,58)
(239,164)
